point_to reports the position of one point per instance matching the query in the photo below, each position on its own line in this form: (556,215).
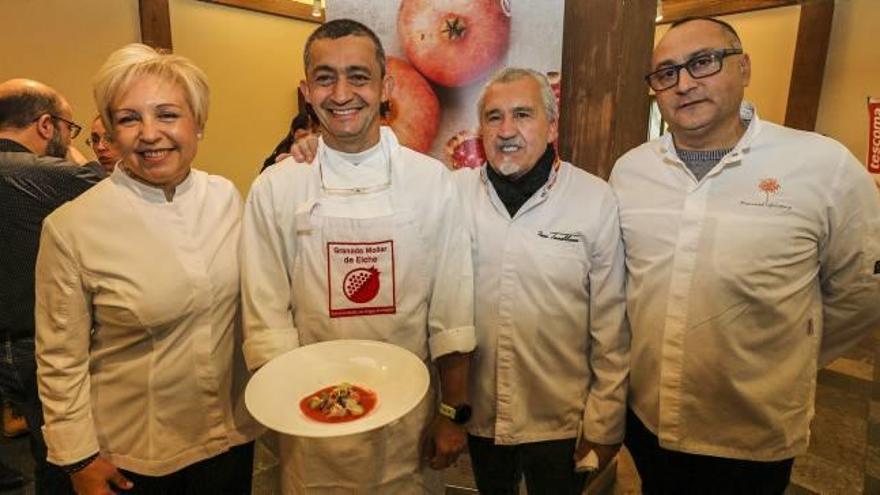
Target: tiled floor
(844,454)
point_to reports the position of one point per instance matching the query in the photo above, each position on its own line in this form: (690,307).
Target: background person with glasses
(102,145)
(753,258)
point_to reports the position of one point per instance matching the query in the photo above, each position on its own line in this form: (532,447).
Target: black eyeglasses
(703,65)
(71,125)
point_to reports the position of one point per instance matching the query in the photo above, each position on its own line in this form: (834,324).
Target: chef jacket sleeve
(605,408)
(850,260)
(63,332)
(451,310)
(266,254)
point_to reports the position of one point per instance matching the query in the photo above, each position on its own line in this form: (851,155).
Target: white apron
(358,274)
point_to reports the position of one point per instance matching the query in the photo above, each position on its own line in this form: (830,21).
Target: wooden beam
(606,50)
(283,8)
(808,71)
(155,23)
(674,10)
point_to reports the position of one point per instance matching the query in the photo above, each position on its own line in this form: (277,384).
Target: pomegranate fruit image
(414,108)
(465,149)
(361,285)
(454,42)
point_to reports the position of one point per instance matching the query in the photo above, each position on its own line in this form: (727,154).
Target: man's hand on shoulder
(303,150)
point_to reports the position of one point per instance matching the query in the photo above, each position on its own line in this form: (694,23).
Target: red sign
(874,136)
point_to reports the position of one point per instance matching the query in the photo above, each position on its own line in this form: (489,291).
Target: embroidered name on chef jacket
(360,278)
(560,236)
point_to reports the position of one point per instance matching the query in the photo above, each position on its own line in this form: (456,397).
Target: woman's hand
(100,477)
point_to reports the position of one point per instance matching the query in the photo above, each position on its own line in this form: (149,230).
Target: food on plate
(454,42)
(338,403)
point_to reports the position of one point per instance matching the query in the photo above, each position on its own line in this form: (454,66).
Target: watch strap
(447,410)
(78,466)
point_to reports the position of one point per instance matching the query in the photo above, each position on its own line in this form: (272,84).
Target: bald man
(36,128)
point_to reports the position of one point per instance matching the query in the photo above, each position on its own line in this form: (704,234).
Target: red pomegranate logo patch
(361,285)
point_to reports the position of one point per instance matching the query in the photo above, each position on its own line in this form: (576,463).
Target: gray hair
(511,74)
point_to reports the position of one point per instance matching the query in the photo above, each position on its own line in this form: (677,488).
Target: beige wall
(769,37)
(254,64)
(63,43)
(852,73)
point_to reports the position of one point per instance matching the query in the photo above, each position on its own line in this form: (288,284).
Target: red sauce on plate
(367,400)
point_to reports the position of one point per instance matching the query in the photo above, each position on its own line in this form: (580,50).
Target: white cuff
(263,345)
(607,427)
(70,441)
(461,339)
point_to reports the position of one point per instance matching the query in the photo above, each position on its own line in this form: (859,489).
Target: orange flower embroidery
(769,186)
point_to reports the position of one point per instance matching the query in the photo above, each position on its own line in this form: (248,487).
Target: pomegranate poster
(873,160)
(441,52)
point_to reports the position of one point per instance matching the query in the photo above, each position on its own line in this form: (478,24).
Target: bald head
(29,111)
(24,100)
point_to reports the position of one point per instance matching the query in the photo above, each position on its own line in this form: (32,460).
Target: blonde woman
(138,301)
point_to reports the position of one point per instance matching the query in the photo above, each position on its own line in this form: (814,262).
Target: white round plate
(399,378)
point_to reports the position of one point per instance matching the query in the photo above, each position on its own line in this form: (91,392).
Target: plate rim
(325,430)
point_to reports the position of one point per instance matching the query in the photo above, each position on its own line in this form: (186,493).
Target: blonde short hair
(137,60)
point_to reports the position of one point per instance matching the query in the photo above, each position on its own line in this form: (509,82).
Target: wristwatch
(459,414)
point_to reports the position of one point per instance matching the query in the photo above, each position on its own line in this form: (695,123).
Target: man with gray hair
(549,377)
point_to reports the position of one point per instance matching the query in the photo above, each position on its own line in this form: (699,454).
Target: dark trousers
(548,467)
(669,472)
(18,384)
(229,473)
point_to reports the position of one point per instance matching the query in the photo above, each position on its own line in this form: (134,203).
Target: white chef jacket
(740,285)
(422,188)
(552,347)
(137,325)
(291,225)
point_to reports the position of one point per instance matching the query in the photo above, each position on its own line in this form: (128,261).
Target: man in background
(35,178)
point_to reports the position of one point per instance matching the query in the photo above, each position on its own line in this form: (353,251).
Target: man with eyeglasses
(35,178)
(753,258)
(366,242)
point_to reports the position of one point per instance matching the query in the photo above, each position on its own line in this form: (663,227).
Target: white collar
(150,193)
(337,172)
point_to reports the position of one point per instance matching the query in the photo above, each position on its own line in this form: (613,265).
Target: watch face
(462,414)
